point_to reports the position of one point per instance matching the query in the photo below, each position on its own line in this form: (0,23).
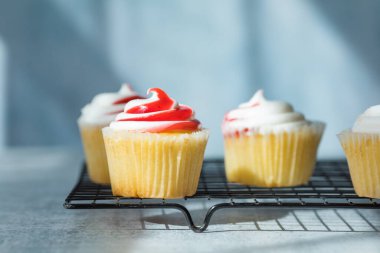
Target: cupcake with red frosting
(155,148)
(99,113)
(268,144)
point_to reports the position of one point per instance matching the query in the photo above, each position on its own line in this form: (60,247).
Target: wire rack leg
(207,219)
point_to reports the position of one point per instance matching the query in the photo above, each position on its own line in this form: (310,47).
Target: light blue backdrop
(322,56)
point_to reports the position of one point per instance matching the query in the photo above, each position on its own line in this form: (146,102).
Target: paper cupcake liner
(154,165)
(95,153)
(277,159)
(363,155)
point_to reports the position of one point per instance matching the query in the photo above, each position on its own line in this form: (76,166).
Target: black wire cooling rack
(329,187)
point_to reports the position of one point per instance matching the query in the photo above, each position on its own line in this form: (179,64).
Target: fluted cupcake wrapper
(95,153)
(363,155)
(154,165)
(276,159)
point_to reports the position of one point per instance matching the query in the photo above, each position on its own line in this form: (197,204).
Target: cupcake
(268,144)
(155,148)
(96,115)
(361,145)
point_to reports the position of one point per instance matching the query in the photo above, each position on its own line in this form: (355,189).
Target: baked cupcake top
(157,114)
(105,106)
(261,115)
(369,121)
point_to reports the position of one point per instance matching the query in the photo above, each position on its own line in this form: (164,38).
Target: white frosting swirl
(369,121)
(102,109)
(261,115)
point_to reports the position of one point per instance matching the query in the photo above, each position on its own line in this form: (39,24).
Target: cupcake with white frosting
(155,148)
(94,116)
(361,145)
(268,144)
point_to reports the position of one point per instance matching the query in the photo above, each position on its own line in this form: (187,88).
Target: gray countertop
(34,183)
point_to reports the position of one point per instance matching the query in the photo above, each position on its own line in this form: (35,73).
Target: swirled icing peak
(156,114)
(261,115)
(369,121)
(105,106)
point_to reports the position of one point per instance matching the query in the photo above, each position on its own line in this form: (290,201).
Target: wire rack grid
(329,187)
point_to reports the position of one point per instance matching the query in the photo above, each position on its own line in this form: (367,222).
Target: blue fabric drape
(321,56)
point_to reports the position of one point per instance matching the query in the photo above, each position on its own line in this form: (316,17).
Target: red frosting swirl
(158,113)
